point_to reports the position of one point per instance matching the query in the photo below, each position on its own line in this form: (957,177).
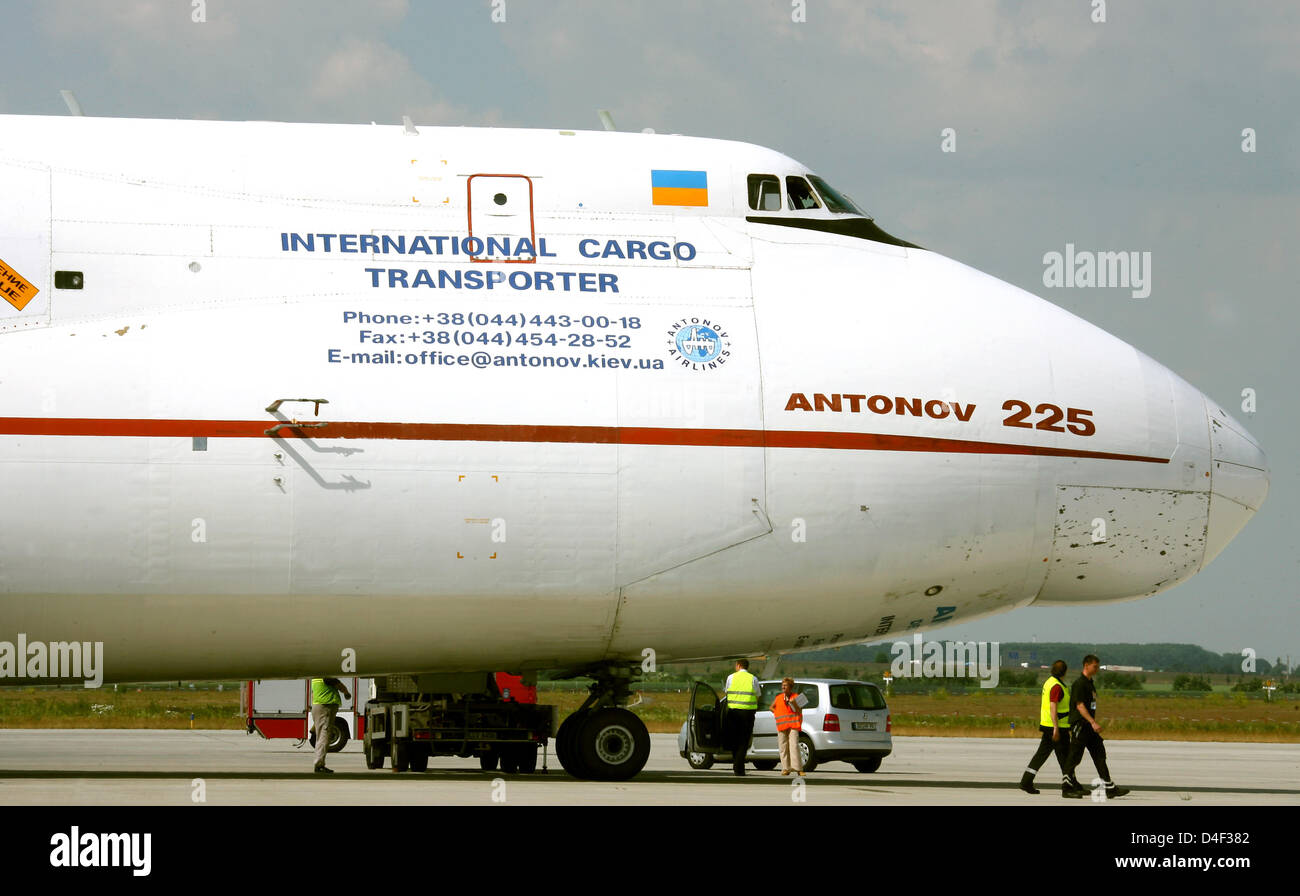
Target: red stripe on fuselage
(497,432)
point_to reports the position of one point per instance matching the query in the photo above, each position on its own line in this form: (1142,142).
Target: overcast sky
(1116,135)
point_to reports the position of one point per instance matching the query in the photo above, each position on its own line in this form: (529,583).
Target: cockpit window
(835,201)
(801,195)
(764,192)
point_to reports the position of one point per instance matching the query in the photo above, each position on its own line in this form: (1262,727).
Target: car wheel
(807,753)
(765,765)
(867,766)
(700,760)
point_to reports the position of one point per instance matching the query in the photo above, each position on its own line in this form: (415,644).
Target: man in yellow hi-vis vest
(1054,723)
(742,704)
(325,704)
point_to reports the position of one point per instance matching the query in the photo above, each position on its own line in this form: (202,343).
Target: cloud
(324,61)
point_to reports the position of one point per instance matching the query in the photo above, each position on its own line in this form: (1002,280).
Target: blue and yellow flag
(679,187)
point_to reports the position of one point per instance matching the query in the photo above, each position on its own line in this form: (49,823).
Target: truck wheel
(400,753)
(339,736)
(528,759)
(699,760)
(807,753)
(612,745)
(867,765)
(509,761)
(419,758)
(374,752)
(488,761)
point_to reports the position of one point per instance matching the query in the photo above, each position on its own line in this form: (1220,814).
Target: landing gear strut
(602,741)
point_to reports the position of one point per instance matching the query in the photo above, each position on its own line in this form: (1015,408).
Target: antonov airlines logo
(698,343)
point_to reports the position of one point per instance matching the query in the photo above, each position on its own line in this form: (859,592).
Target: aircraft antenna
(70,98)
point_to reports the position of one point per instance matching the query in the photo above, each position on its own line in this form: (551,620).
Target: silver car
(843,720)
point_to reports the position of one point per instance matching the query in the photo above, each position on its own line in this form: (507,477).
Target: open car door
(704,720)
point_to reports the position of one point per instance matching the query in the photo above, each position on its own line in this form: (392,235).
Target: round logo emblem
(698,343)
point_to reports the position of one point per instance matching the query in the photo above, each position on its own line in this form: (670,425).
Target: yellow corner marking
(17,291)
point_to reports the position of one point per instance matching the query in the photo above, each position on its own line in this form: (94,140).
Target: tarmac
(142,767)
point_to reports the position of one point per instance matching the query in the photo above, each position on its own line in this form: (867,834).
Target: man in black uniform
(1054,723)
(1086,733)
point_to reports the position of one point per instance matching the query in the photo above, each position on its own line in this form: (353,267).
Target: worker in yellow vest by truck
(789,721)
(325,704)
(1054,723)
(742,703)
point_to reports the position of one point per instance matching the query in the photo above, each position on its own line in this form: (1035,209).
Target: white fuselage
(665,427)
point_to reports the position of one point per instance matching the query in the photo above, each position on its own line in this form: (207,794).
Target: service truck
(406,719)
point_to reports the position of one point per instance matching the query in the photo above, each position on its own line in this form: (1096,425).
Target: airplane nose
(1238,479)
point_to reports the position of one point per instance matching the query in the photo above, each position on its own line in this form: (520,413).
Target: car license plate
(864,726)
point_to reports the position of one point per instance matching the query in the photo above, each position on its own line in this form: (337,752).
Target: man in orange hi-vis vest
(789,719)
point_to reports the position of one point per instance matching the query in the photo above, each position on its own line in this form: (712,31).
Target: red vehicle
(282,709)
(513,688)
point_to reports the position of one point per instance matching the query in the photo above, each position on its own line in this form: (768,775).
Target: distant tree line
(1188,658)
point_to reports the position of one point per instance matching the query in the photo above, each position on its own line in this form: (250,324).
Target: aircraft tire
(564,745)
(612,745)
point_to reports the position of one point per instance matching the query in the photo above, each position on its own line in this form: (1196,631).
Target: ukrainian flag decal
(679,187)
